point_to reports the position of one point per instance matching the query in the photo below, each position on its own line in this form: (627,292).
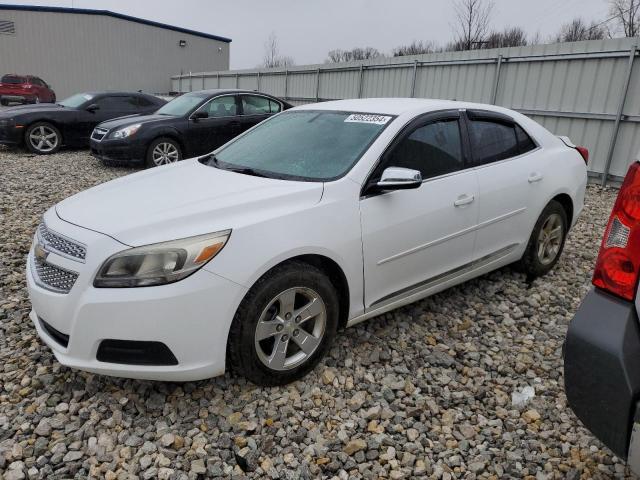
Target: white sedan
(253,257)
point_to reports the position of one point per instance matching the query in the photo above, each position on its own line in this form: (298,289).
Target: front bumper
(191,318)
(10,135)
(125,151)
(602,369)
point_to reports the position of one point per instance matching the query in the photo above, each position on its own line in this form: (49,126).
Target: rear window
(12,79)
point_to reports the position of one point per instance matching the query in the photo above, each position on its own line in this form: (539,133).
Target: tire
(539,259)
(260,315)
(163,151)
(36,100)
(4,103)
(43,138)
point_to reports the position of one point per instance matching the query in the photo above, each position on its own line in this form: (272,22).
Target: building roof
(86,11)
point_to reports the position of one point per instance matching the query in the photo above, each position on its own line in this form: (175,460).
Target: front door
(221,125)
(413,239)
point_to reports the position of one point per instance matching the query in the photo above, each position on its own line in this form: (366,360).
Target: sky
(308,29)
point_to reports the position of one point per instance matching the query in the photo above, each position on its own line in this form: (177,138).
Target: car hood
(24,109)
(183,200)
(133,119)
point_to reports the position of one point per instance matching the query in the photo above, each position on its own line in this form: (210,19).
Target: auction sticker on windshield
(364,118)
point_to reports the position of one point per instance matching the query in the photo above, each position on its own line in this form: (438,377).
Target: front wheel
(546,242)
(163,151)
(43,138)
(284,326)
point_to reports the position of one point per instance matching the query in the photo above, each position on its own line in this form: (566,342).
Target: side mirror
(93,107)
(399,178)
(199,115)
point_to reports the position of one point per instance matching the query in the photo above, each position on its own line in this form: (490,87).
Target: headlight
(160,263)
(126,131)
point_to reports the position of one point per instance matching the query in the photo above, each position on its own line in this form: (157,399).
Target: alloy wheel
(290,328)
(43,138)
(164,153)
(550,239)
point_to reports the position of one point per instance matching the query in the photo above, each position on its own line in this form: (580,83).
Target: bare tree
(472,23)
(416,48)
(509,37)
(578,30)
(335,56)
(627,15)
(272,57)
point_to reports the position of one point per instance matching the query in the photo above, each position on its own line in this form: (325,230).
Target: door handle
(535,177)
(463,200)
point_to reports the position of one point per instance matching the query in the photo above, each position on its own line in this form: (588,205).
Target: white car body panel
(393,248)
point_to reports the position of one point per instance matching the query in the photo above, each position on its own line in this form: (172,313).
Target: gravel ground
(425,391)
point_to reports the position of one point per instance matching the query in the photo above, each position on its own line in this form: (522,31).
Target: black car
(602,348)
(44,128)
(187,126)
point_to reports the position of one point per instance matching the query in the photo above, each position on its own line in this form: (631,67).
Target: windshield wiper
(245,171)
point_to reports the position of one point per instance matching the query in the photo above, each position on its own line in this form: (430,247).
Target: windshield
(181,105)
(76,100)
(306,145)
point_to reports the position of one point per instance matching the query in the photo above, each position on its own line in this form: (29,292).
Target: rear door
(506,160)
(221,125)
(256,108)
(414,239)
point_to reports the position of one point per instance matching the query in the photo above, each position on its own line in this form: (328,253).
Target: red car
(25,89)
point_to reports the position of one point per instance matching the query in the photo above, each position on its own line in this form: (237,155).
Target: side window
(222,107)
(492,141)
(118,104)
(525,144)
(433,149)
(144,102)
(275,106)
(255,105)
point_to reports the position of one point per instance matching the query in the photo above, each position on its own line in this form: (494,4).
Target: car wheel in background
(4,103)
(163,151)
(43,138)
(36,100)
(284,326)
(546,241)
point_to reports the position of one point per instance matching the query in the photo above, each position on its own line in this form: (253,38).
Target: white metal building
(79,50)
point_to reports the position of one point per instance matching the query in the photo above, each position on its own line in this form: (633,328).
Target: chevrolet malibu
(251,258)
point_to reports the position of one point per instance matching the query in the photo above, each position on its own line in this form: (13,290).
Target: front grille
(57,335)
(65,246)
(53,278)
(98,133)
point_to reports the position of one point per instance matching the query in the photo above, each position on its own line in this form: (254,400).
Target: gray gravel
(425,391)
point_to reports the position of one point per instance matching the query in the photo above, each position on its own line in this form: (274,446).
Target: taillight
(584,152)
(618,263)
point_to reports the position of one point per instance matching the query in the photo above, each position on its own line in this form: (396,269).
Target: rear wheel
(163,151)
(546,242)
(284,326)
(43,138)
(4,103)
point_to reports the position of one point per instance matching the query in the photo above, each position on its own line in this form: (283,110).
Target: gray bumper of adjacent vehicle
(602,371)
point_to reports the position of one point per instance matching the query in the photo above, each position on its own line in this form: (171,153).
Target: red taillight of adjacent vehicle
(618,263)
(584,152)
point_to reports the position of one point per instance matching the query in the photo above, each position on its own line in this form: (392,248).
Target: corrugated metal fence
(589,91)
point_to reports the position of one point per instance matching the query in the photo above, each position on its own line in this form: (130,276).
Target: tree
(627,15)
(272,57)
(509,37)
(335,56)
(472,23)
(578,30)
(415,48)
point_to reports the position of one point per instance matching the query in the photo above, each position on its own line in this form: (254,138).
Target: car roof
(394,106)
(219,91)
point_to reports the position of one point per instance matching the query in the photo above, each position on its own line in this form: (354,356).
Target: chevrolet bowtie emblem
(40,253)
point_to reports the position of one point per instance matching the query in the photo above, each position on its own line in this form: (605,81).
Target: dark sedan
(44,128)
(190,125)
